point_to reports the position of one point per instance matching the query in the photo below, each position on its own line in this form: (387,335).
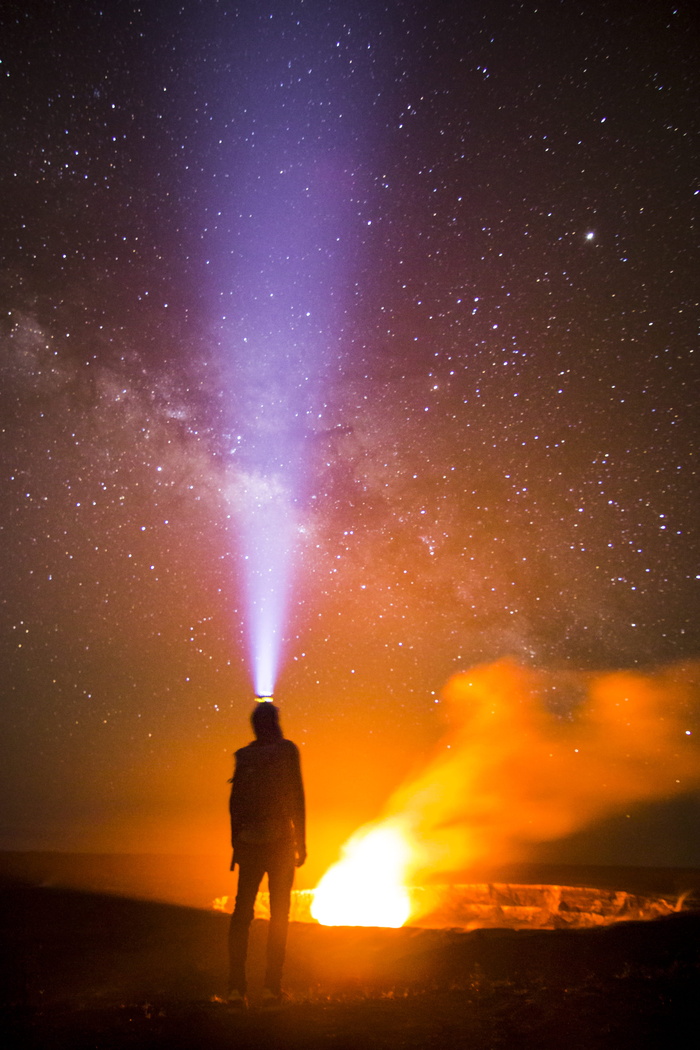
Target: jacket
(267,804)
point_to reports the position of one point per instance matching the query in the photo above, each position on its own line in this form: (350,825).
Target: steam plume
(510,772)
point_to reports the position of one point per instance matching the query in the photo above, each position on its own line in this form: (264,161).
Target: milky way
(475,223)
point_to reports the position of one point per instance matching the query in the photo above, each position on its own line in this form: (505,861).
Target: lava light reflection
(366,886)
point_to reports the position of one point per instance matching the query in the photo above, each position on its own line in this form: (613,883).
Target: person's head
(265,721)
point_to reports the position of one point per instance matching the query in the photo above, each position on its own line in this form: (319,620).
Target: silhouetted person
(268,834)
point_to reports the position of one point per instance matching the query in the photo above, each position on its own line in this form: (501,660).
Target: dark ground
(87,970)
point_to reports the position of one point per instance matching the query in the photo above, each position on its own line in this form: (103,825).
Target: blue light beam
(281,230)
(268,530)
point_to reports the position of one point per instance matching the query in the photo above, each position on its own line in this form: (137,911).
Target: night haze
(419,281)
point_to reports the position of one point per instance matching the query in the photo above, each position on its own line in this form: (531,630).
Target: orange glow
(500,904)
(511,773)
(366,887)
(220,904)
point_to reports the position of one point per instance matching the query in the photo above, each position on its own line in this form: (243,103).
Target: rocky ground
(89,970)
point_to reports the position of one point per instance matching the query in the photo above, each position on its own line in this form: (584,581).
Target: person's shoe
(236,1001)
(271,1001)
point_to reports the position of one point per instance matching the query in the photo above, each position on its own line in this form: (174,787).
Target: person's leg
(280,875)
(250,873)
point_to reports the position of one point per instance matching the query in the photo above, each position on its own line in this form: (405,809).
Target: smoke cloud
(532,756)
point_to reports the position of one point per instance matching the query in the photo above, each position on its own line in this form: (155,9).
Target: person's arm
(298,808)
(234,813)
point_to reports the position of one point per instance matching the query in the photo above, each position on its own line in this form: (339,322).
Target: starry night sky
(475,223)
